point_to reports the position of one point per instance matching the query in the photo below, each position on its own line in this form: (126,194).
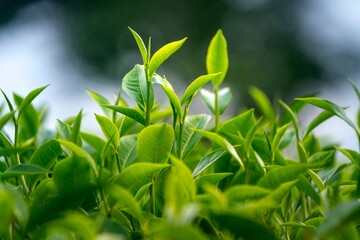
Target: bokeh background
(286,48)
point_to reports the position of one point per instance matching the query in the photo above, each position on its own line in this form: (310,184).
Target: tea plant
(166,174)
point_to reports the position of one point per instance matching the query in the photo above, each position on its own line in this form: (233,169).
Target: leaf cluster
(162,173)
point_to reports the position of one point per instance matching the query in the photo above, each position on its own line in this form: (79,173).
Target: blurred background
(285,48)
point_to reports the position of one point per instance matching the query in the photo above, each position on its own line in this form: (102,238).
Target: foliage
(153,174)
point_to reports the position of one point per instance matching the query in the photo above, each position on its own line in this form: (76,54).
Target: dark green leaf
(129,112)
(242,228)
(4,119)
(322,117)
(23,169)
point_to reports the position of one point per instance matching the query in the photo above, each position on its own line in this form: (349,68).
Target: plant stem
(153,197)
(18,162)
(217,114)
(148,89)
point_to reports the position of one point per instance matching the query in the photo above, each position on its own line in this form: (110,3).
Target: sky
(32,55)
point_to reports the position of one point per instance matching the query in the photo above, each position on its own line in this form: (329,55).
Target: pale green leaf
(137,175)
(277,138)
(127,151)
(263,103)
(332,108)
(100,100)
(239,193)
(4,119)
(352,155)
(190,138)
(206,161)
(322,117)
(134,84)
(217,57)
(29,98)
(212,178)
(195,86)
(339,217)
(79,152)
(109,129)
(281,174)
(140,44)
(155,143)
(224,96)
(222,142)
(162,54)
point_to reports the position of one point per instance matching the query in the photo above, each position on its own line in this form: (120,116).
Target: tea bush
(162,173)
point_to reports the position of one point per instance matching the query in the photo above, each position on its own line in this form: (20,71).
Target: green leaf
(206,161)
(137,175)
(80,152)
(63,130)
(356,89)
(241,227)
(127,152)
(4,119)
(134,84)
(101,100)
(332,108)
(195,86)
(174,100)
(155,143)
(212,178)
(277,138)
(239,193)
(352,155)
(94,141)
(183,173)
(222,142)
(217,57)
(29,98)
(224,96)
(305,185)
(141,45)
(109,129)
(28,121)
(242,124)
(281,174)
(320,159)
(292,115)
(129,112)
(73,175)
(190,138)
(46,154)
(23,169)
(123,199)
(339,217)
(322,117)
(263,103)
(75,130)
(162,54)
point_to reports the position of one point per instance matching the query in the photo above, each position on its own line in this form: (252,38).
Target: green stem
(18,162)
(148,90)
(153,199)
(181,126)
(217,114)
